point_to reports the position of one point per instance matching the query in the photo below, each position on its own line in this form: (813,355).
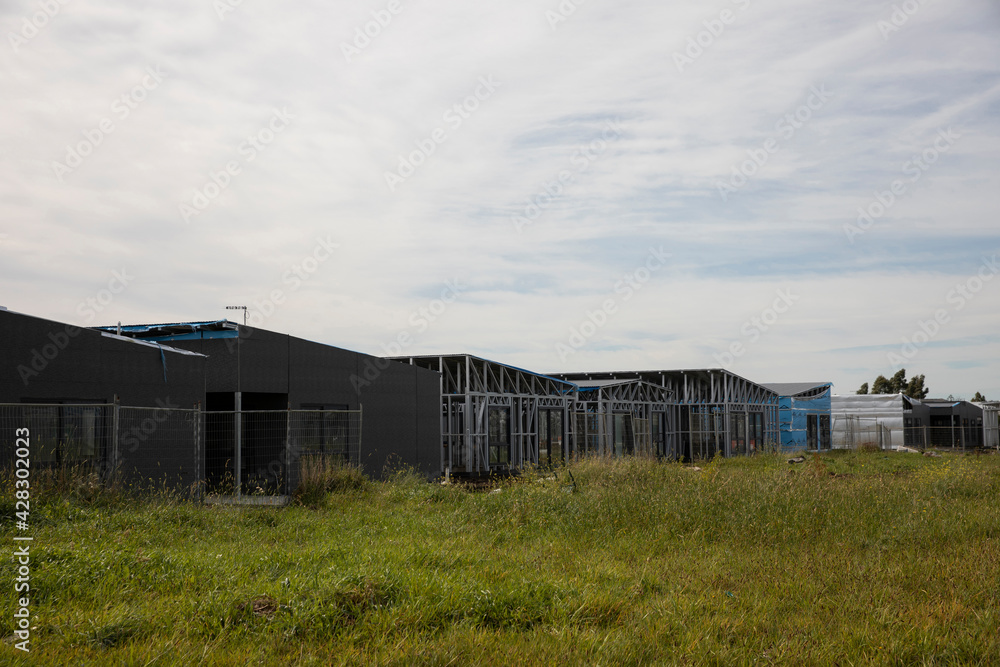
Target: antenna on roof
(243,308)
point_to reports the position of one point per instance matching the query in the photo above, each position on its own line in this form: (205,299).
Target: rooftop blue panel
(175,330)
(139,328)
(196,335)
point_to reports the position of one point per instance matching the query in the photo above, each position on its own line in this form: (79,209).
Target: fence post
(238,455)
(199,482)
(115,427)
(361,421)
(288,451)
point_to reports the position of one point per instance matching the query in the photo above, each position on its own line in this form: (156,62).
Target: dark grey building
(251,369)
(167,402)
(954,423)
(61,383)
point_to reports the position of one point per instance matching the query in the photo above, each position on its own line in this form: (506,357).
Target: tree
(882,386)
(915,388)
(898,381)
(978,398)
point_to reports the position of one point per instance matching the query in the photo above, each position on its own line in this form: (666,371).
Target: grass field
(850,559)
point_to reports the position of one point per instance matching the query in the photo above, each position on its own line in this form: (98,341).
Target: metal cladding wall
(961,409)
(429,454)
(401,403)
(42,360)
(991,424)
(389,423)
(888,410)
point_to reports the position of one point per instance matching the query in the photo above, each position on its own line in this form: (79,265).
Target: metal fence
(155,447)
(59,435)
(854,432)
(274,443)
(947,437)
(187,449)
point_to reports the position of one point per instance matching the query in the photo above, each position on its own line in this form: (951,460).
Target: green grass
(852,558)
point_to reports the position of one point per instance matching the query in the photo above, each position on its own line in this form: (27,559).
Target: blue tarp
(793,418)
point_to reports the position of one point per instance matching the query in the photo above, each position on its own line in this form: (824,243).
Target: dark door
(812,431)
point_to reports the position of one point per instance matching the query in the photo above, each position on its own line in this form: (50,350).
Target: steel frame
(642,401)
(470,387)
(710,396)
(699,406)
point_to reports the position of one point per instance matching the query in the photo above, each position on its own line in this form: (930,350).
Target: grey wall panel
(390,414)
(263,357)
(429,422)
(86,365)
(141,376)
(321,374)
(47,360)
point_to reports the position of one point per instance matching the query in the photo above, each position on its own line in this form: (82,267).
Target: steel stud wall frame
(600,407)
(712,410)
(490,412)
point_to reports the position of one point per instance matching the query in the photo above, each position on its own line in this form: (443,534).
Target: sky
(795,191)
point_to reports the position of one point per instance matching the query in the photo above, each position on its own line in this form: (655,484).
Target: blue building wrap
(793,420)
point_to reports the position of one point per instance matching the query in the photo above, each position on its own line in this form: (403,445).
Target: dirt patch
(264,605)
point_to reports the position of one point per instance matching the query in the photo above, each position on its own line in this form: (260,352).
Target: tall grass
(321,475)
(850,558)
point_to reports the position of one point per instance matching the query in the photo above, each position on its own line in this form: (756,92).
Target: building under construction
(710,411)
(620,417)
(495,417)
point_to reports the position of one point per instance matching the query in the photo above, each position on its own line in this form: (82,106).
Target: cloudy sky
(792,190)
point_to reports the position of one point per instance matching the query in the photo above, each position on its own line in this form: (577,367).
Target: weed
(320,475)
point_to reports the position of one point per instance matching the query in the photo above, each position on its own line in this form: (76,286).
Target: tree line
(915,387)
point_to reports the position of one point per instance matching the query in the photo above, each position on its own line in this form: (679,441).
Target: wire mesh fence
(186,449)
(60,435)
(948,437)
(156,447)
(857,432)
(333,436)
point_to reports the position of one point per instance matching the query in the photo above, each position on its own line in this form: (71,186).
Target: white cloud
(683,131)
